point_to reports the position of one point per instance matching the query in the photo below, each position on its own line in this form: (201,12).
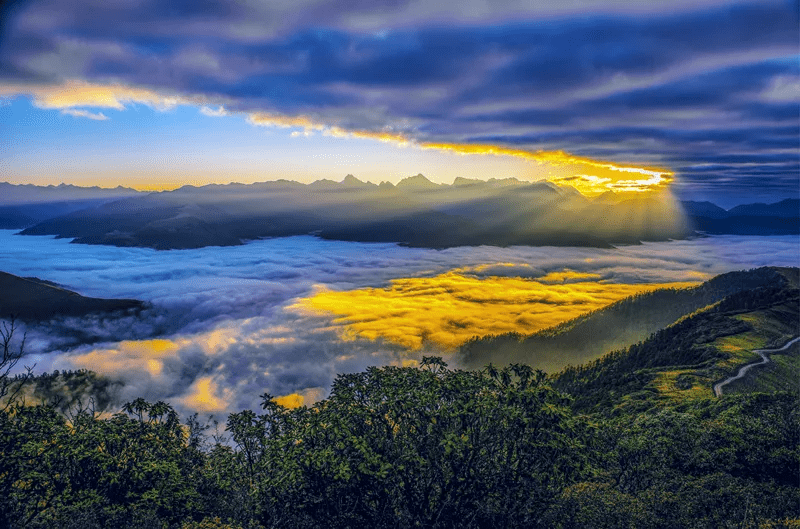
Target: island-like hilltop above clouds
(414,212)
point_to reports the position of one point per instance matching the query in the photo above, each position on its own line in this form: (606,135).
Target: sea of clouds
(221,327)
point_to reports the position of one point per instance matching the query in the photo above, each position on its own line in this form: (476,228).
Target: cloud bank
(222,329)
(448,309)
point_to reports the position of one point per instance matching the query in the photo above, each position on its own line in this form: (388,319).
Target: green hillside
(782,373)
(684,360)
(617,326)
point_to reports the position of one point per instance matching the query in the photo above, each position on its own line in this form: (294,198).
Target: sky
(286,315)
(702,95)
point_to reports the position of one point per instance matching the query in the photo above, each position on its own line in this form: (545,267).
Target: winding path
(743,370)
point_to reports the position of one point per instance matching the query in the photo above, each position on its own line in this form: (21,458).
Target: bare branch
(11,387)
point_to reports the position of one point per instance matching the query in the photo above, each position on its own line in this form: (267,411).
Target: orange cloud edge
(589,176)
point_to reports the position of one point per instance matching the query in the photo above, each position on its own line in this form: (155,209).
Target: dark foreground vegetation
(409,447)
(635,439)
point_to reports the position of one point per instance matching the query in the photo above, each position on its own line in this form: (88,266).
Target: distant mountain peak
(417,182)
(324,183)
(62,193)
(461,181)
(510,181)
(609,197)
(789,207)
(703,209)
(352,181)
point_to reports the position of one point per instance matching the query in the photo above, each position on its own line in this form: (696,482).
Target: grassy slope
(781,374)
(683,361)
(770,327)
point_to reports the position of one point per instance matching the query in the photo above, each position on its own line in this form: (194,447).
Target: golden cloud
(292,400)
(72,94)
(569,276)
(205,396)
(127,356)
(449,309)
(309,125)
(590,177)
(305,397)
(384,137)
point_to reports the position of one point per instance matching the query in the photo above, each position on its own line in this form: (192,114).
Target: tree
(11,386)
(408,447)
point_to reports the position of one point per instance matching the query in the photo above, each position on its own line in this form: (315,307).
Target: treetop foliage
(430,446)
(407,447)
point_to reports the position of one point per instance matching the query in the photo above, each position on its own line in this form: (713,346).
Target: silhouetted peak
(324,184)
(785,208)
(609,197)
(703,209)
(544,186)
(352,181)
(461,181)
(418,182)
(511,181)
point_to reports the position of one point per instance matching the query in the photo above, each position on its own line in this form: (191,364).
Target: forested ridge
(693,347)
(635,439)
(618,325)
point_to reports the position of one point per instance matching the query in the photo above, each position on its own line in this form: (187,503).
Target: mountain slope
(30,299)
(779,374)
(684,361)
(618,325)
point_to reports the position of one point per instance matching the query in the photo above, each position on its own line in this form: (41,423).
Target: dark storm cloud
(656,83)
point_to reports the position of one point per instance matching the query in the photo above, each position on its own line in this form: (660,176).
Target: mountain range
(780,218)
(415,212)
(27,204)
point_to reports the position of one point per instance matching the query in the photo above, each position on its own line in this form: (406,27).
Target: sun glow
(590,177)
(81,100)
(129,354)
(449,309)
